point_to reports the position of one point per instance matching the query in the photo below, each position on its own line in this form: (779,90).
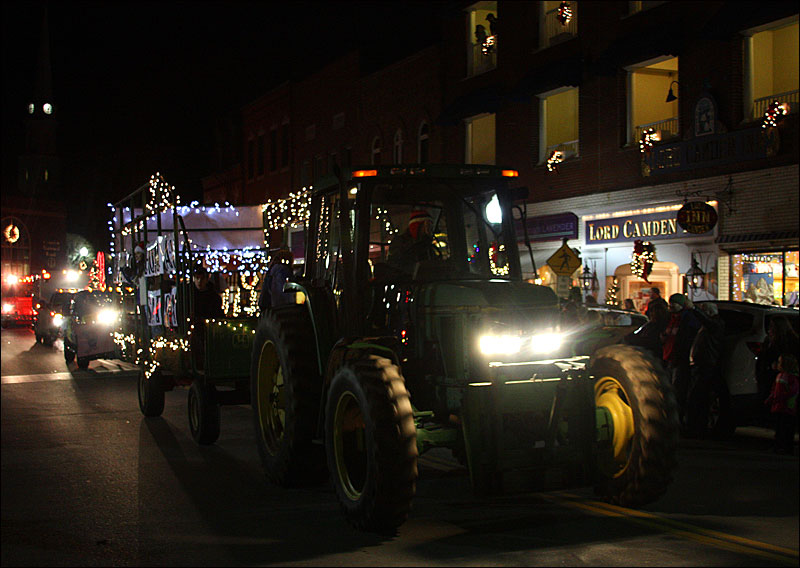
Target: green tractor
(412,328)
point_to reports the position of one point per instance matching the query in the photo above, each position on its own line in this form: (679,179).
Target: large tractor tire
(151,393)
(204,413)
(285,392)
(371,443)
(638,397)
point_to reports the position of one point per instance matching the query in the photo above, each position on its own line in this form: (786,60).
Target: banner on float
(154,307)
(160,256)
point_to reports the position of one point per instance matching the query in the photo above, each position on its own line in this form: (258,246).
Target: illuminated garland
(611,293)
(488,45)
(774,113)
(646,140)
(556,157)
(497,270)
(564,13)
(642,259)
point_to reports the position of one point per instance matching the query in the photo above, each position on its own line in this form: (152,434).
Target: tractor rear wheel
(371,443)
(637,396)
(285,392)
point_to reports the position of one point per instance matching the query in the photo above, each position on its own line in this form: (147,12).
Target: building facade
(616,114)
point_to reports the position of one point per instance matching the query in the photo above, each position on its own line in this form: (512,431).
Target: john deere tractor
(412,328)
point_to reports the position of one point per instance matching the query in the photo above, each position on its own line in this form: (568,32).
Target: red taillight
(755,347)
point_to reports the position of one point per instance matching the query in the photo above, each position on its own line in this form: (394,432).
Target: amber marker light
(365,173)
(510,173)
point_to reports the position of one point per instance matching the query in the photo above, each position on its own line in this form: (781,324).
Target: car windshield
(89,302)
(452,230)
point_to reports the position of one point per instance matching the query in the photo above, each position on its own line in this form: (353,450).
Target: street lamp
(586,278)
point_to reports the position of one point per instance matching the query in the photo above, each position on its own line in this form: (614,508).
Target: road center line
(705,536)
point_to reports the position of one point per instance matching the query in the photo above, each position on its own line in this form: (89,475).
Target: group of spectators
(689,340)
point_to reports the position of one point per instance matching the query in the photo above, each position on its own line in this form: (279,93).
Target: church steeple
(39,167)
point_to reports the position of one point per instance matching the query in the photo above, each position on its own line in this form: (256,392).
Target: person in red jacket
(782,402)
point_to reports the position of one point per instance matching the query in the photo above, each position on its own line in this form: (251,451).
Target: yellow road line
(710,537)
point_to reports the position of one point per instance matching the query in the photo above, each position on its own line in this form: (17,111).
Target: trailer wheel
(637,396)
(204,413)
(371,443)
(151,393)
(285,391)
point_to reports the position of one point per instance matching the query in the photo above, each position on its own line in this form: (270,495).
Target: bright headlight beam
(57,320)
(500,344)
(546,342)
(107,316)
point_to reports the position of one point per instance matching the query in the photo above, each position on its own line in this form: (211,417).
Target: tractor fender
(349,349)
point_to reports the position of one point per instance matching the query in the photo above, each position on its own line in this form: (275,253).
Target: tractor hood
(499,294)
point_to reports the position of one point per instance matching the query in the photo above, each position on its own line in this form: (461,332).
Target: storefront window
(765,277)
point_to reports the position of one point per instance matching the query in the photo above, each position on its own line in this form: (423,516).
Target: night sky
(139,86)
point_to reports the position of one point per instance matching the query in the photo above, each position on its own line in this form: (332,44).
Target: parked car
(49,317)
(92,319)
(605,325)
(746,327)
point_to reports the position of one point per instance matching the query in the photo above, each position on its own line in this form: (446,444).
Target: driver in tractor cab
(415,244)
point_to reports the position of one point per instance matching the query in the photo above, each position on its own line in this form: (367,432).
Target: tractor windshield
(438,230)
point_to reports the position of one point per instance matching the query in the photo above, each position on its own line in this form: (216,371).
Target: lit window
(770,71)
(31,108)
(649,83)
(558,123)
(483,38)
(557,22)
(480,141)
(47,108)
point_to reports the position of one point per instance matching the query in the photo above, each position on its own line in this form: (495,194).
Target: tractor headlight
(107,316)
(500,344)
(8,308)
(58,319)
(546,342)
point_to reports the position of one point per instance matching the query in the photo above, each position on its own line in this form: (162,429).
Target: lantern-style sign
(697,217)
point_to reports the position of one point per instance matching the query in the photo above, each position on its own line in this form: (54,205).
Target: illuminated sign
(661,225)
(697,217)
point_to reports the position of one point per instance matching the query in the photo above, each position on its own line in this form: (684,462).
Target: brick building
(615,113)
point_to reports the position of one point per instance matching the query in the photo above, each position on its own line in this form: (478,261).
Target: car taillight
(755,347)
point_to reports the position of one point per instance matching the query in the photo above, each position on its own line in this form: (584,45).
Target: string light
(774,113)
(564,13)
(646,140)
(556,157)
(642,259)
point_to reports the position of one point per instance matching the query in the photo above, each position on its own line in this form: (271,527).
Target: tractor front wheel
(635,394)
(371,443)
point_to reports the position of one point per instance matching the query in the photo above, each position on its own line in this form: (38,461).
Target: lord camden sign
(697,217)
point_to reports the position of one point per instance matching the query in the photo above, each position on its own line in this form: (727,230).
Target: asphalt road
(88,481)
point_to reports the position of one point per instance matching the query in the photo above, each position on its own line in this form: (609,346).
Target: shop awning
(771,236)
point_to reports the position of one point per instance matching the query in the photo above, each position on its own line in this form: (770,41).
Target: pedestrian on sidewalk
(678,339)
(782,402)
(706,373)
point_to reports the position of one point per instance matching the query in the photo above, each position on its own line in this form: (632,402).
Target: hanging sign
(697,217)
(153,265)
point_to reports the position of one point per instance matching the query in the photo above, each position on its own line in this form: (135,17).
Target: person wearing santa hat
(415,244)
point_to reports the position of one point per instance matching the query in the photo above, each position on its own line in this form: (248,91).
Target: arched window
(376,150)
(398,146)
(423,143)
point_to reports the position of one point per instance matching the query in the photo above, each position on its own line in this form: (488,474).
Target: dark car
(49,318)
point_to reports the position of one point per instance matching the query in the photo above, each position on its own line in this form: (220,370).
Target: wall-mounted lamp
(671,96)
(586,278)
(695,275)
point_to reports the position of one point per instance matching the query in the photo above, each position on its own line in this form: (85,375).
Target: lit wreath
(644,255)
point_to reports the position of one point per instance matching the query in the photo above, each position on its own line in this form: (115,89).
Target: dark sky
(138,86)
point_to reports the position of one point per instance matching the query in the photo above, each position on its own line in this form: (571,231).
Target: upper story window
(558,123)
(771,64)
(285,144)
(649,84)
(482,40)
(376,150)
(558,21)
(251,158)
(397,154)
(480,141)
(273,149)
(260,155)
(423,143)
